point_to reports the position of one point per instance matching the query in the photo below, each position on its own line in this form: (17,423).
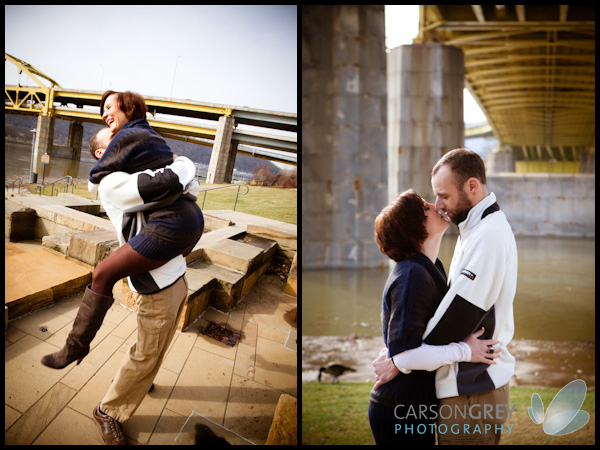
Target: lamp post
(32,174)
(174,72)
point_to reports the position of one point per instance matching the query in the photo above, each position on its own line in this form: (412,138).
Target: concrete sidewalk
(236,388)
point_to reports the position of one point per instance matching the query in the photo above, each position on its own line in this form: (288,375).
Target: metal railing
(7,185)
(228,186)
(41,187)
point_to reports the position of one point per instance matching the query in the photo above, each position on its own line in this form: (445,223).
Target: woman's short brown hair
(400,226)
(131,103)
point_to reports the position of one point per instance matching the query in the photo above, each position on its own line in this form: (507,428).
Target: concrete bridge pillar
(344,150)
(501,162)
(425,112)
(231,161)
(44,139)
(220,152)
(75,139)
(587,163)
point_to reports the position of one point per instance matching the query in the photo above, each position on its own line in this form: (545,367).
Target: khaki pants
(469,430)
(158,316)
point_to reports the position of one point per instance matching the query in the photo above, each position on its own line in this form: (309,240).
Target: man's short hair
(94,145)
(464,164)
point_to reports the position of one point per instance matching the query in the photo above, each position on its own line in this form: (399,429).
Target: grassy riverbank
(337,414)
(272,203)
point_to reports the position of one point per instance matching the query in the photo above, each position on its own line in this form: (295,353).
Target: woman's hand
(385,370)
(480,348)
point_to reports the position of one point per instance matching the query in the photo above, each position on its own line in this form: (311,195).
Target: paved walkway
(236,388)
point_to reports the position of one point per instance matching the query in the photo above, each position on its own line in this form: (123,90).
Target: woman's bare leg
(120,264)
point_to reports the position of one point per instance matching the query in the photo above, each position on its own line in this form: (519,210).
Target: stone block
(252,277)
(232,254)
(200,288)
(284,429)
(217,235)
(286,237)
(76,220)
(268,247)
(229,288)
(19,222)
(215,223)
(58,243)
(91,247)
(291,286)
(127,296)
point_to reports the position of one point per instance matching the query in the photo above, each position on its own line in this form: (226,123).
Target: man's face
(448,196)
(104,136)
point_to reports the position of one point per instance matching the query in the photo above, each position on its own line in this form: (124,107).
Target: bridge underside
(530,68)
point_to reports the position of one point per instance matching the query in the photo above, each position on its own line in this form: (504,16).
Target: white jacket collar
(474,216)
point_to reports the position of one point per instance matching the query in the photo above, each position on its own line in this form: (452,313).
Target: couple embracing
(445,365)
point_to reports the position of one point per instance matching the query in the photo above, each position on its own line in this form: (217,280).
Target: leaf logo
(563,415)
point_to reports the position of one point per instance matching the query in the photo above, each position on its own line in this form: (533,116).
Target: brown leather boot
(110,428)
(87,323)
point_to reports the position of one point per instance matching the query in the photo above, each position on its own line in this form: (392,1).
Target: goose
(336,370)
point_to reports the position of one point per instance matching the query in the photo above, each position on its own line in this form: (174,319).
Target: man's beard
(462,209)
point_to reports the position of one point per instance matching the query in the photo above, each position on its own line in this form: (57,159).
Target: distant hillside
(19,128)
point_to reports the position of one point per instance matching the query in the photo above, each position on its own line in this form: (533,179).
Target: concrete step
(227,290)
(233,255)
(200,289)
(34,280)
(230,232)
(285,234)
(268,247)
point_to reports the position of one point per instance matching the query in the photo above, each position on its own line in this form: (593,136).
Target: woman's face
(435,222)
(113,116)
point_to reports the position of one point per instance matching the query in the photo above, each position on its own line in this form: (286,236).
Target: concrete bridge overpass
(172,118)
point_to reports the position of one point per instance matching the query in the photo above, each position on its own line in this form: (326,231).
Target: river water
(554,299)
(17,158)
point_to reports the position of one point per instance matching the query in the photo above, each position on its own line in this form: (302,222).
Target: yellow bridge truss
(54,101)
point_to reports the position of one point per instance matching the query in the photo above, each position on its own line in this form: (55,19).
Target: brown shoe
(111,429)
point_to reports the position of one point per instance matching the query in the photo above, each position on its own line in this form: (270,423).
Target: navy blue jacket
(412,293)
(134,148)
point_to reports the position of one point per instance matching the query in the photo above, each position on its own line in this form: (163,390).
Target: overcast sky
(233,55)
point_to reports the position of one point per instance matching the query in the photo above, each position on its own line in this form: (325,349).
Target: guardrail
(228,186)
(41,187)
(6,185)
